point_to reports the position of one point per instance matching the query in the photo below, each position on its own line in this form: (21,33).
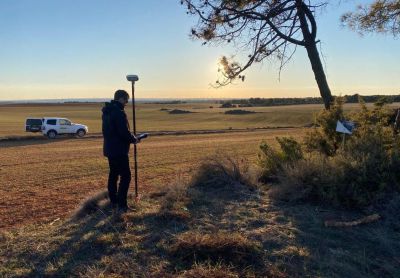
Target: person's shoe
(114,206)
(125,209)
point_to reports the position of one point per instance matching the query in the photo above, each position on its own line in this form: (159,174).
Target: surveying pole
(133,78)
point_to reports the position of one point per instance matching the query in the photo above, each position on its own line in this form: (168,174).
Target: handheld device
(142,136)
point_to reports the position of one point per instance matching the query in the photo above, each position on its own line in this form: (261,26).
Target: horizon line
(154,99)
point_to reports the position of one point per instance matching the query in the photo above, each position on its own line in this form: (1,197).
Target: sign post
(345,127)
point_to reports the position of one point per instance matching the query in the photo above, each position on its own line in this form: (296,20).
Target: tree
(265,28)
(382,16)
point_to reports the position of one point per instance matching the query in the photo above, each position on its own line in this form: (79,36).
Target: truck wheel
(80,133)
(51,134)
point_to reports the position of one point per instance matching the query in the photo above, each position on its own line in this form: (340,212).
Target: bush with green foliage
(340,180)
(356,175)
(325,139)
(272,161)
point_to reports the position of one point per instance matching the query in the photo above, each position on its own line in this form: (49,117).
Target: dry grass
(191,226)
(209,271)
(220,170)
(175,201)
(231,232)
(294,182)
(230,248)
(91,205)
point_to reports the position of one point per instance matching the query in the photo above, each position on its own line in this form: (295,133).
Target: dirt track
(39,137)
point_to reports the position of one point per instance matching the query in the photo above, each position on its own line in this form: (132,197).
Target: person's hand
(135,139)
(139,137)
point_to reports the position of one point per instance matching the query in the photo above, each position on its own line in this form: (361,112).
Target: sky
(58,49)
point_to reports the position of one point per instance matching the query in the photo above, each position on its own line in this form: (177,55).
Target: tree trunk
(319,74)
(313,55)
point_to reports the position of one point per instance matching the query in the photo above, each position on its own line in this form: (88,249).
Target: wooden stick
(364,220)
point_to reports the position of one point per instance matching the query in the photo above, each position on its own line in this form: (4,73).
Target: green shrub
(291,149)
(337,181)
(325,139)
(361,173)
(272,161)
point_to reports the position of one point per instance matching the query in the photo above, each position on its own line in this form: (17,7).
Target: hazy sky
(84,49)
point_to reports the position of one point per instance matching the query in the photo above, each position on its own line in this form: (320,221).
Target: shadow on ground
(140,243)
(69,249)
(308,248)
(198,231)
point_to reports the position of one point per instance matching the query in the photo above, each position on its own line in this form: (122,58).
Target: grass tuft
(91,205)
(209,271)
(174,203)
(221,170)
(233,248)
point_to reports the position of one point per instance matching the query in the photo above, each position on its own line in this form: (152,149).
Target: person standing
(117,140)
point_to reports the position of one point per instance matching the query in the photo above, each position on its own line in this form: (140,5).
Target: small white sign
(345,127)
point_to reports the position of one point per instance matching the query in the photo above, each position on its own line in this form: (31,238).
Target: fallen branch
(364,220)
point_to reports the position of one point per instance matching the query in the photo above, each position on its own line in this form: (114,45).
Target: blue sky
(72,49)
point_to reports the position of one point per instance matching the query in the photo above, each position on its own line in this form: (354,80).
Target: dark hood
(106,108)
(109,106)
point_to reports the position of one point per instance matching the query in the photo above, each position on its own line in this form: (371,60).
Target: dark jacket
(116,134)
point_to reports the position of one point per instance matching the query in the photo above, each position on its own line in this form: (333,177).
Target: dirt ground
(44,180)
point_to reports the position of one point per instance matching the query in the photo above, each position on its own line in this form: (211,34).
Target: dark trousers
(119,167)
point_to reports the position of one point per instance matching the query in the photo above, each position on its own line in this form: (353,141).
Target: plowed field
(42,180)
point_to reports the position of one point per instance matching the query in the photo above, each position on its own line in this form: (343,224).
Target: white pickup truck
(51,127)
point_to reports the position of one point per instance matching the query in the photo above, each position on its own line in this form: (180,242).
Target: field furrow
(44,182)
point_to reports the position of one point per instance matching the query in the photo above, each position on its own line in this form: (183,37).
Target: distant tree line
(167,102)
(254,102)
